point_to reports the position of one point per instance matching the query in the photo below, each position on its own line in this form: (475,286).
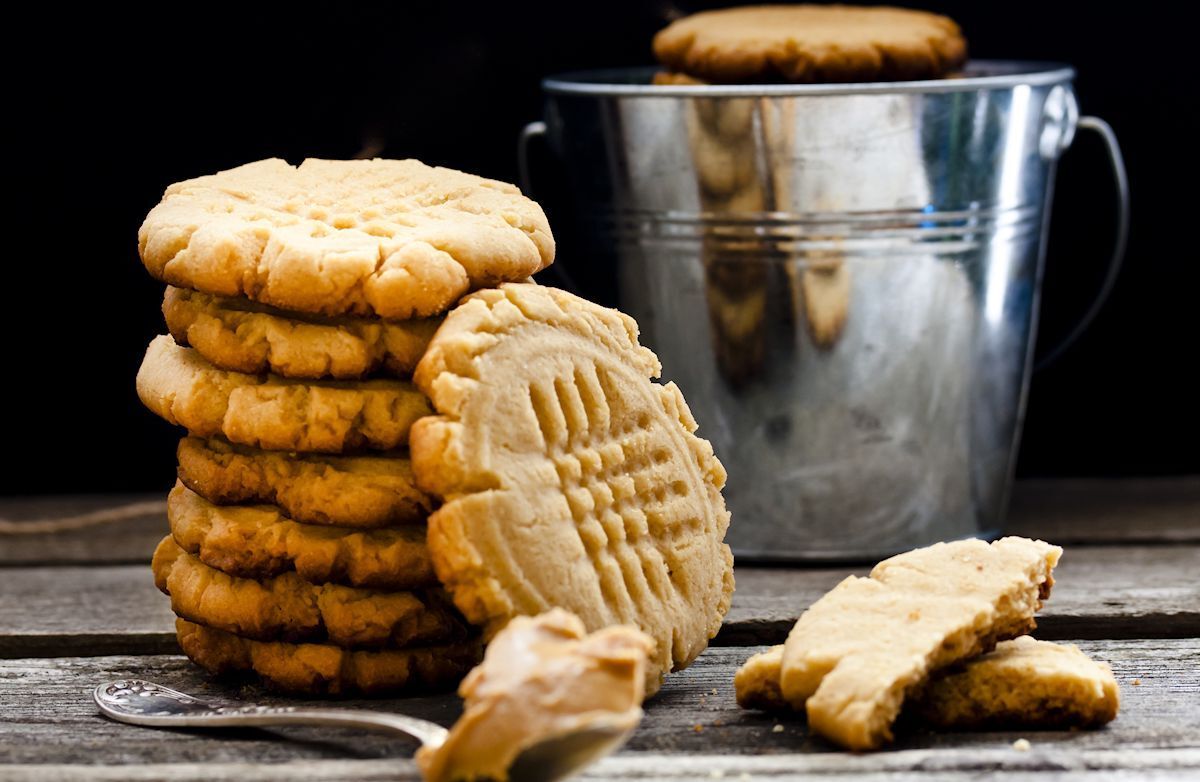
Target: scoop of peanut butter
(541,677)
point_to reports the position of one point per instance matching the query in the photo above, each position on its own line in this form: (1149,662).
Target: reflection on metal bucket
(842,279)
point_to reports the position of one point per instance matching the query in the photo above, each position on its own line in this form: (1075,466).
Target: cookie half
(267,411)
(810,43)
(346,491)
(390,238)
(1024,682)
(569,479)
(857,653)
(321,669)
(242,336)
(288,608)
(255,541)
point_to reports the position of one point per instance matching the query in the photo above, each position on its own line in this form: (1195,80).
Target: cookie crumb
(1022,745)
(777,729)
(1136,682)
(698,728)
(716,773)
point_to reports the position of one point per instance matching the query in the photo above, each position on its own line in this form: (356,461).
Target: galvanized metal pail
(843,279)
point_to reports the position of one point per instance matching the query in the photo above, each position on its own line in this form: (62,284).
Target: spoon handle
(139,702)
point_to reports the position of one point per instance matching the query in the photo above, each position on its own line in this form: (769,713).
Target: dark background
(123,107)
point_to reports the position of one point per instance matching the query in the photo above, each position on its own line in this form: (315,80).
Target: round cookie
(811,43)
(271,412)
(569,479)
(242,336)
(288,608)
(320,669)
(346,491)
(392,238)
(255,541)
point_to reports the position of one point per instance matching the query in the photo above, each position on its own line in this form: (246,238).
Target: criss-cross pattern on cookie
(607,476)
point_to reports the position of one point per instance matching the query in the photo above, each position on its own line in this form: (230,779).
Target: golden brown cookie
(811,43)
(569,478)
(346,491)
(858,652)
(272,412)
(288,608)
(321,669)
(255,541)
(243,336)
(1026,683)
(392,238)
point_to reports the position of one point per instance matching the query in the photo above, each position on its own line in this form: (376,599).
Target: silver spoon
(139,702)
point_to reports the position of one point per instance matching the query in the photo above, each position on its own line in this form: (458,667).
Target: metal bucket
(843,280)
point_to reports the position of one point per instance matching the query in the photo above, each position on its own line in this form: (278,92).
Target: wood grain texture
(1127,510)
(79,607)
(917,766)
(1095,511)
(49,719)
(1101,592)
(111,542)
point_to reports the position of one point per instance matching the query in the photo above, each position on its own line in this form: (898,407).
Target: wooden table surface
(78,607)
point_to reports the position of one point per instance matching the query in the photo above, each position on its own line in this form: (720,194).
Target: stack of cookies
(300,301)
(337,528)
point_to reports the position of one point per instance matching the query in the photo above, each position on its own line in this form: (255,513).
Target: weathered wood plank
(109,528)
(1128,510)
(914,766)
(1101,592)
(1092,511)
(48,718)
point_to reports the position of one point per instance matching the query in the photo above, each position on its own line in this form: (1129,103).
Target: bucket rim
(978,75)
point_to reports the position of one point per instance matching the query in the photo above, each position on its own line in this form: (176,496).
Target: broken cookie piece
(757,681)
(1024,682)
(858,652)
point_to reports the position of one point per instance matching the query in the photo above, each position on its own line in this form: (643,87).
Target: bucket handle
(528,133)
(531,131)
(1121,179)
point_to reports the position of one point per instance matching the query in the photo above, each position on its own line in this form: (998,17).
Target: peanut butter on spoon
(544,683)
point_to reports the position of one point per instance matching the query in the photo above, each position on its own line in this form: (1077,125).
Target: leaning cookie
(811,43)
(389,238)
(255,541)
(271,412)
(346,491)
(321,669)
(569,479)
(288,608)
(242,336)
